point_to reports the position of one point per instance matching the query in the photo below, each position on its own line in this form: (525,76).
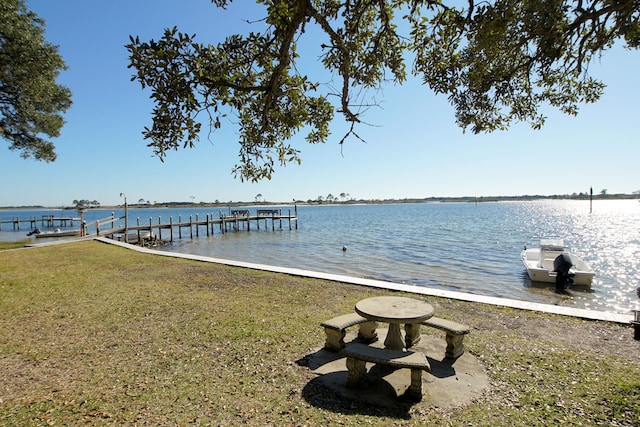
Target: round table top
(394,309)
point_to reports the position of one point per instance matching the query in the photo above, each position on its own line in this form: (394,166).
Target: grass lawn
(94,334)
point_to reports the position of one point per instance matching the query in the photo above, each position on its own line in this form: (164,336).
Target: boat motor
(562,266)
(32,232)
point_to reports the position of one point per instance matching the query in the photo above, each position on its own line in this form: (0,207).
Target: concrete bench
(455,335)
(336,329)
(358,354)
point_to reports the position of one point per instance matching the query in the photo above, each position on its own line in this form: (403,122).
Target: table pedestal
(412,334)
(394,338)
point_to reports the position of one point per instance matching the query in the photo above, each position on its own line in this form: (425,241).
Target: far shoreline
(465,199)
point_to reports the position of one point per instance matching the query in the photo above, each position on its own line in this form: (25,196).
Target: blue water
(465,247)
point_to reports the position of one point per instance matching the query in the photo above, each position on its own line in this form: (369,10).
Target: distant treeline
(466,199)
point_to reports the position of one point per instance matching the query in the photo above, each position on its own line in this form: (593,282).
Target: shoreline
(420,290)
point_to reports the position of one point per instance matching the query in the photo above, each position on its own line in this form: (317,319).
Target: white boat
(539,263)
(56,233)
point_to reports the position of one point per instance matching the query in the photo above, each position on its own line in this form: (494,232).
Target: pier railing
(110,219)
(235,220)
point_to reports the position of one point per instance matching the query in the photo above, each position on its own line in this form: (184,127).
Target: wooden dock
(236,220)
(45,221)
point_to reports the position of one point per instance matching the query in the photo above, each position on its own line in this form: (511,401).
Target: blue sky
(413,148)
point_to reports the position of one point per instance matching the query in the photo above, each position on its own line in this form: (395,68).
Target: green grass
(13,244)
(99,335)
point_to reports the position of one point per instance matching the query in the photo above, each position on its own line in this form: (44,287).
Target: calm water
(466,247)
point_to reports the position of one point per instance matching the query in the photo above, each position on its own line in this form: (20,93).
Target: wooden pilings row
(236,221)
(45,221)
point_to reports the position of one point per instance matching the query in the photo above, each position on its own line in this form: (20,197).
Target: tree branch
(345,65)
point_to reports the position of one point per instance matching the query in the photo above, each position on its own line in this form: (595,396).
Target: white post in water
(126,219)
(636,319)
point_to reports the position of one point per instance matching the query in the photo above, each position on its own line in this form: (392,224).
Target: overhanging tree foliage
(497,62)
(31,103)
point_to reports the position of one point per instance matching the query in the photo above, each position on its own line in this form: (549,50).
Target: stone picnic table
(396,311)
(396,353)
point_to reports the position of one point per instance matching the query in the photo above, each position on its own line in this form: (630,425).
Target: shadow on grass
(442,368)
(319,395)
(376,396)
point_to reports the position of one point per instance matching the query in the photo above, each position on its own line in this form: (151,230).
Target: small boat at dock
(55,233)
(539,263)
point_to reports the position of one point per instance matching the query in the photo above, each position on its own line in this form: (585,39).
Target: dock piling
(240,219)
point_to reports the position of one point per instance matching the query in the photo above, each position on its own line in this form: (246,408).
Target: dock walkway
(237,220)
(45,221)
